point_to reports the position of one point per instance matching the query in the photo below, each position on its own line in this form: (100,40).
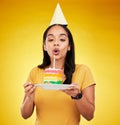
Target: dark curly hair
(69,66)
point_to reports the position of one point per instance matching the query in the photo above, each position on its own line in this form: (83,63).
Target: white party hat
(58,17)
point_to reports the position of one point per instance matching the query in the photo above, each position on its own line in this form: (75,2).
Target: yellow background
(95,25)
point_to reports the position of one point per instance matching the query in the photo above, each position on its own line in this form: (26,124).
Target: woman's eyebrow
(50,35)
(63,34)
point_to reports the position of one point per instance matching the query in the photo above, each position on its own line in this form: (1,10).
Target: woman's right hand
(29,89)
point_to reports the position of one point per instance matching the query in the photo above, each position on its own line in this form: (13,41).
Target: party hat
(58,17)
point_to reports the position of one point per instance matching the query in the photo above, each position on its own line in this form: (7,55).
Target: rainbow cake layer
(53,76)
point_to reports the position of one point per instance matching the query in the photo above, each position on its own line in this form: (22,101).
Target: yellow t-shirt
(54,107)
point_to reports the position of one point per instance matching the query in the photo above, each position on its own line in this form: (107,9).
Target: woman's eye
(62,40)
(50,40)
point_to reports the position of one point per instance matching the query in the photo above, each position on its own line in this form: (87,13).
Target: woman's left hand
(73,90)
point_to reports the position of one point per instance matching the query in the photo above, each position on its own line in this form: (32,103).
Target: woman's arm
(27,107)
(86,104)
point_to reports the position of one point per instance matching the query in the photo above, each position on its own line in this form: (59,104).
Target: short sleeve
(88,78)
(30,76)
(35,75)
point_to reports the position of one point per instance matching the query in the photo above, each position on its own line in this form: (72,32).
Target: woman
(55,107)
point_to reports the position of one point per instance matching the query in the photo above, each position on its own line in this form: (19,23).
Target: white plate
(54,86)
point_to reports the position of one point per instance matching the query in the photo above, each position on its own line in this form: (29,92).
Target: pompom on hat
(58,17)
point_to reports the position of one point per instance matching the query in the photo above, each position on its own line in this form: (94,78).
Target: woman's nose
(56,43)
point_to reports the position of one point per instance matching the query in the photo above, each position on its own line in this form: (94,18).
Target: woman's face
(57,42)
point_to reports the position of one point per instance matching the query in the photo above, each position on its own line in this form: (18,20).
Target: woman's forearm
(27,107)
(85,108)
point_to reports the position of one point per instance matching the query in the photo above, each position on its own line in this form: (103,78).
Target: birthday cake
(53,76)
